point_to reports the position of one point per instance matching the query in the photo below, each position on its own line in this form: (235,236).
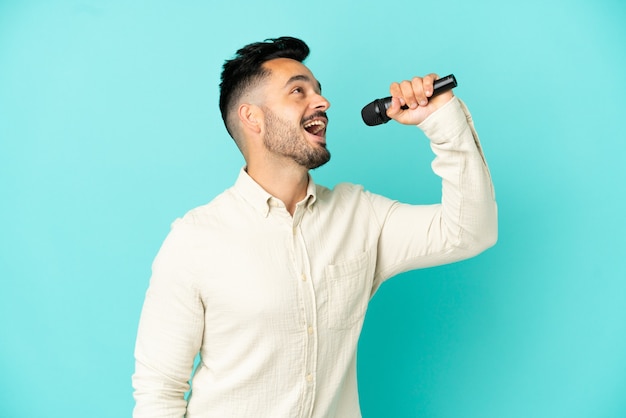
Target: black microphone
(375,113)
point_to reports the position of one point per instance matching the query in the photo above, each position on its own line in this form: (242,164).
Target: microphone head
(375,113)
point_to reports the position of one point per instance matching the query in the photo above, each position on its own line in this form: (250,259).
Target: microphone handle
(439,86)
(376,112)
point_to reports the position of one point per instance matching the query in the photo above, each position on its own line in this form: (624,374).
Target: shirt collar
(263,201)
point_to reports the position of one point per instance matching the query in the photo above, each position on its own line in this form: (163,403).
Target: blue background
(109,130)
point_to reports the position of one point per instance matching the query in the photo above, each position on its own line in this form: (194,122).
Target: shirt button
(303,277)
(310,330)
(309,377)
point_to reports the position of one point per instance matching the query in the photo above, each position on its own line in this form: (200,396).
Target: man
(270,282)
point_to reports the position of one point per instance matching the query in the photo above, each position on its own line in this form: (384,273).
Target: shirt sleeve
(170,332)
(463,224)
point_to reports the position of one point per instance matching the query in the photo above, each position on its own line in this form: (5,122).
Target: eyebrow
(305,78)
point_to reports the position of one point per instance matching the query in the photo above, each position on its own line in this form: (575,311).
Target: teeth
(314,122)
(320,126)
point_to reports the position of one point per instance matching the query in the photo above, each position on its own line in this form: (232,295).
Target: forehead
(284,71)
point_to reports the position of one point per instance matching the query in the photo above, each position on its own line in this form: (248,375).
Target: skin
(272,118)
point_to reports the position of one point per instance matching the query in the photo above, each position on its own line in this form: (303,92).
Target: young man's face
(295,113)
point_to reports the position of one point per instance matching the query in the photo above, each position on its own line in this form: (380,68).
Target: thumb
(395,109)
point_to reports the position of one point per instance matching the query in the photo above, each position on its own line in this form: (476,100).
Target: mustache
(318,114)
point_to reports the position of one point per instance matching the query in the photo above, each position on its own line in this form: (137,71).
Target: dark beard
(285,140)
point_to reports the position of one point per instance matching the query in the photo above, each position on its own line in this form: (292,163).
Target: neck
(287,182)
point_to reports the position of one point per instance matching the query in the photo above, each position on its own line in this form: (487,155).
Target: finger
(419,87)
(395,90)
(428,84)
(409,94)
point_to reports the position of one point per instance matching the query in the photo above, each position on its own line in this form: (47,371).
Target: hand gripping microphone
(375,113)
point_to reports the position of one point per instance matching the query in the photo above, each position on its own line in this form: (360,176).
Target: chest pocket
(349,287)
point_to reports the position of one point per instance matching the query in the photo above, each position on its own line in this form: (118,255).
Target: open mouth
(315,127)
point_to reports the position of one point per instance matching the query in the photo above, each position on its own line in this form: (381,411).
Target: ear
(251,117)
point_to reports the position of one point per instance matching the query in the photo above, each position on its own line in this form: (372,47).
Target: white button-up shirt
(275,303)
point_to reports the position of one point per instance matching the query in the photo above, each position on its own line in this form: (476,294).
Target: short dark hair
(246,68)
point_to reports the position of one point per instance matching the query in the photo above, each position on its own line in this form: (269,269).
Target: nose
(320,102)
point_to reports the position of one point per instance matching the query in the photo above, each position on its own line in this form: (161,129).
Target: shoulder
(208,214)
(341,195)
(353,195)
(195,229)
(340,191)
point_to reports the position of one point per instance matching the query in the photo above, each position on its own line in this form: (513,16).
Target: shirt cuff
(446,123)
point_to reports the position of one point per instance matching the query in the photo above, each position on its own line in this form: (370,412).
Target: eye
(297,90)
